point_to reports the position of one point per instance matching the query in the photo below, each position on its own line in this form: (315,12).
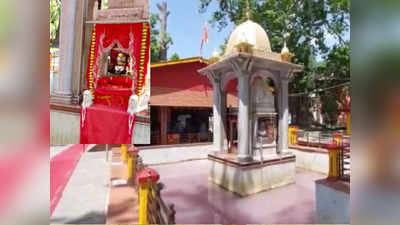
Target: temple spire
(248,11)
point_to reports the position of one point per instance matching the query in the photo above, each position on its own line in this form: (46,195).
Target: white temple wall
(65,129)
(312,161)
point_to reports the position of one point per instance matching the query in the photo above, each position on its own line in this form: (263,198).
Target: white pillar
(244,132)
(62,82)
(219,115)
(283,116)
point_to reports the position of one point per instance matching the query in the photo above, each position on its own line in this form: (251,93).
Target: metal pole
(106,152)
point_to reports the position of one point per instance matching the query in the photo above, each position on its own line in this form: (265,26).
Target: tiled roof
(161,96)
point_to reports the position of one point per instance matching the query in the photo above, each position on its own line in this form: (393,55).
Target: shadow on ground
(89,218)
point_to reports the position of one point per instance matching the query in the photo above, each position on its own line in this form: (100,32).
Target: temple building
(181,102)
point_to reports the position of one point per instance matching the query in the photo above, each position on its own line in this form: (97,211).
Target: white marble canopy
(246,67)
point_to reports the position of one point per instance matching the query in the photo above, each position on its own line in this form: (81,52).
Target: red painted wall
(184,76)
(180,76)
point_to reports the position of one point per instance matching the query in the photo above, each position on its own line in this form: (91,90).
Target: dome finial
(248,12)
(286,55)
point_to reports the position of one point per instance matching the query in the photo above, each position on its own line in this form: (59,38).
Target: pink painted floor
(199,201)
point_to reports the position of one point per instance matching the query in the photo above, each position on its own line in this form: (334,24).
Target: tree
(174,57)
(159,42)
(55,12)
(308,22)
(154,33)
(164,39)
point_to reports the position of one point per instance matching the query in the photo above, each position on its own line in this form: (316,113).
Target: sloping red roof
(178,84)
(161,96)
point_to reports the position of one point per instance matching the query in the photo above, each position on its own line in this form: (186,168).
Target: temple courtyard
(199,201)
(89,195)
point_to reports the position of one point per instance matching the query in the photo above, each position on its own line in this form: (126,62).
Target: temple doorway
(180,125)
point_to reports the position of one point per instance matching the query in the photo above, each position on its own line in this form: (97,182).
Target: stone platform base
(246,178)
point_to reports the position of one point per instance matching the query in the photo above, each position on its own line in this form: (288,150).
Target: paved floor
(199,201)
(84,198)
(123,204)
(173,154)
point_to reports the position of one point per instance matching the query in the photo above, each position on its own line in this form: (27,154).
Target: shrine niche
(119,65)
(264,113)
(116,76)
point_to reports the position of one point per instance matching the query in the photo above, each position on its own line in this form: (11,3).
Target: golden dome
(251,37)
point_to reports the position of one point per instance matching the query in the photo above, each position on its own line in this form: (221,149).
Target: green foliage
(154,45)
(156,40)
(55,12)
(174,57)
(308,22)
(105,4)
(7,22)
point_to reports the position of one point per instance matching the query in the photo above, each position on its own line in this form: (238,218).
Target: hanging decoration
(91,59)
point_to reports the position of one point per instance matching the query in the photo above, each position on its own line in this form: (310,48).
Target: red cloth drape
(127,36)
(105,125)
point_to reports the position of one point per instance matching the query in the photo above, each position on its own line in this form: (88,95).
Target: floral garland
(143,52)
(91,61)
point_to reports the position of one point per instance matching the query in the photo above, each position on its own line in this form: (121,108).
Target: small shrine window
(116,69)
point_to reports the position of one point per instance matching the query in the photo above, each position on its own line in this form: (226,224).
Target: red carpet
(61,169)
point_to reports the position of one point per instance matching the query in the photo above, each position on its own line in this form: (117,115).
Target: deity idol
(120,66)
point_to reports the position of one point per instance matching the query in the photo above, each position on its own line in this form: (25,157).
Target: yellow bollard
(333,151)
(294,135)
(143,197)
(337,137)
(348,123)
(145,179)
(124,149)
(132,158)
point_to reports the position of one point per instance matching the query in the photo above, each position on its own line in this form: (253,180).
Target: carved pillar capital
(243,67)
(213,77)
(286,75)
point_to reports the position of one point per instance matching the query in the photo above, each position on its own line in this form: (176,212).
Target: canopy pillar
(219,114)
(244,117)
(283,116)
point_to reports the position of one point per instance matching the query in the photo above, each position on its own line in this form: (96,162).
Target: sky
(185,25)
